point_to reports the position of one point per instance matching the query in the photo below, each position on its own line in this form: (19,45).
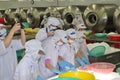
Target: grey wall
(45,3)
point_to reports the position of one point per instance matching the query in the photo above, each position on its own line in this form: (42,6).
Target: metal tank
(19,15)
(33,17)
(51,11)
(69,14)
(116,19)
(99,17)
(8,15)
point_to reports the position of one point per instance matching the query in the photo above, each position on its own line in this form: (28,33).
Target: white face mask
(70,41)
(52,28)
(59,43)
(3,32)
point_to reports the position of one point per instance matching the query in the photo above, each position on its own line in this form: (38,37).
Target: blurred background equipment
(69,14)
(99,17)
(116,19)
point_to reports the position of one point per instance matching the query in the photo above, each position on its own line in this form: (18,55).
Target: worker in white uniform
(77,20)
(68,51)
(27,69)
(48,64)
(47,32)
(82,45)
(8,47)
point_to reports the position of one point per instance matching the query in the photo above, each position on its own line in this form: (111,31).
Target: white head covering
(81,26)
(60,34)
(54,21)
(3,31)
(32,47)
(71,33)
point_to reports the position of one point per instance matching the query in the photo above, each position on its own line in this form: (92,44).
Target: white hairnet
(81,26)
(54,21)
(32,46)
(71,33)
(60,34)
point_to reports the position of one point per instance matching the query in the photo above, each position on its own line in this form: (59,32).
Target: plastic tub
(26,24)
(98,51)
(77,74)
(118,70)
(100,35)
(66,79)
(102,67)
(114,37)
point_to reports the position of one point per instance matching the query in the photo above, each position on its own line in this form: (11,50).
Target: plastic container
(98,51)
(20,54)
(26,24)
(77,74)
(100,35)
(102,67)
(118,70)
(66,79)
(114,37)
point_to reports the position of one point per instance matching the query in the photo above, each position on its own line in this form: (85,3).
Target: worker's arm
(23,37)
(51,67)
(9,37)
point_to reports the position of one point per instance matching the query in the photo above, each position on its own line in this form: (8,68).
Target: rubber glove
(55,70)
(39,78)
(85,59)
(80,61)
(64,64)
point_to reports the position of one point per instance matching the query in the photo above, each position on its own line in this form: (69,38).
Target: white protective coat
(67,52)
(82,43)
(8,59)
(51,51)
(27,69)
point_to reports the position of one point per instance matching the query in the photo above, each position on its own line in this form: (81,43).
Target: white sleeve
(24,74)
(48,51)
(16,44)
(2,48)
(41,35)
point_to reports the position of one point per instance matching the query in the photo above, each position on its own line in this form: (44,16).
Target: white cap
(54,21)
(61,34)
(33,45)
(81,26)
(71,33)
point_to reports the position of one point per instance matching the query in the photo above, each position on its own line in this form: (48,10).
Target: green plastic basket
(20,54)
(66,79)
(26,24)
(118,70)
(98,51)
(100,35)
